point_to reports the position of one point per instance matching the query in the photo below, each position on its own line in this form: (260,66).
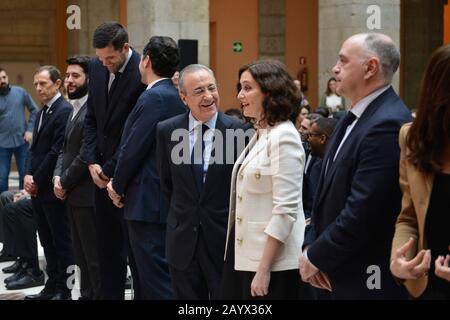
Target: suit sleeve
(163,163)
(45,170)
(58,167)
(406,225)
(137,141)
(367,211)
(89,154)
(76,172)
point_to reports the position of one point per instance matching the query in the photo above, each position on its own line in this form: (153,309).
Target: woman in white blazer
(266,222)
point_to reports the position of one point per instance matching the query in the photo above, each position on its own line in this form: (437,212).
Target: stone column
(272,29)
(93,13)
(339,19)
(176,19)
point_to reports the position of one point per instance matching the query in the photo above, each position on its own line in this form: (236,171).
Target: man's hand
(59,191)
(99,178)
(20,195)
(306,268)
(116,199)
(320,280)
(30,186)
(28,137)
(414,268)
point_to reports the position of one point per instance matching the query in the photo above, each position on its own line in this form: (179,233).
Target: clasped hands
(116,198)
(310,274)
(30,186)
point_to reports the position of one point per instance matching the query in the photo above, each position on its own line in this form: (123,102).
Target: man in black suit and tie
(358,196)
(72,181)
(196,183)
(136,179)
(114,87)
(50,212)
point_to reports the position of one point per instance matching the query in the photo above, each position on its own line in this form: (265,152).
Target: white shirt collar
(78,103)
(52,101)
(359,108)
(155,82)
(193,123)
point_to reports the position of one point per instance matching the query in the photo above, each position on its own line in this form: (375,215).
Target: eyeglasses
(198,92)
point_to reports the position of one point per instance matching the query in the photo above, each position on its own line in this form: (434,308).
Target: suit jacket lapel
(49,116)
(255,147)
(72,123)
(121,86)
(325,180)
(188,176)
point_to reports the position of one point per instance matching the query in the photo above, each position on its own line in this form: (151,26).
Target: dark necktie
(114,84)
(44,116)
(197,157)
(347,120)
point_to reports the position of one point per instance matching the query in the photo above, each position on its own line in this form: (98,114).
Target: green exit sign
(237,46)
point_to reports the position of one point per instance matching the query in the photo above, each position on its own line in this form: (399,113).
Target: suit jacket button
(258,175)
(239,219)
(195,229)
(239,241)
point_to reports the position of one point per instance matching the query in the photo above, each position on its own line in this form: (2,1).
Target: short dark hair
(235,112)
(326,125)
(323,111)
(164,54)
(82,61)
(110,33)
(277,84)
(54,73)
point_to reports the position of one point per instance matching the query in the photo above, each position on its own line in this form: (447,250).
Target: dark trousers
(54,233)
(147,242)
(82,225)
(113,249)
(20,230)
(5,198)
(201,279)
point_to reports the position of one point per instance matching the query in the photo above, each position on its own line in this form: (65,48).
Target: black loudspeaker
(188,52)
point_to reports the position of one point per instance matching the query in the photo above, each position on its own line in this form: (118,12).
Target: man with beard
(114,87)
(72,180)
(15,133)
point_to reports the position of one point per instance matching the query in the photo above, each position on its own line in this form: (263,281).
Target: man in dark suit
(73,182)
(358,196)
(114,87)
(50,212)
(136,180)
(198,192)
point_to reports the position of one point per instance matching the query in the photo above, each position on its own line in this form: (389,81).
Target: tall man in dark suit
(358,196)
(198,192)
(73,182)
(136,179)
(114,87)
(50,212)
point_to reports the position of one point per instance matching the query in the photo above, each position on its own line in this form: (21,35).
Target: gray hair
(385,49)
(190,69)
